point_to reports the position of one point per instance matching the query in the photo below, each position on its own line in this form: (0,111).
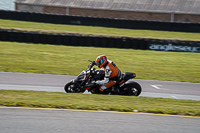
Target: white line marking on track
(174,97)
(156,86)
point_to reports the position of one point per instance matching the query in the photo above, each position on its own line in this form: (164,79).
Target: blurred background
(7,5)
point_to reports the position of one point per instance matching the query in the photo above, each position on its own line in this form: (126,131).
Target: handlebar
(92,63)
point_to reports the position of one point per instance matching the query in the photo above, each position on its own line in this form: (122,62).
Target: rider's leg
(110,84)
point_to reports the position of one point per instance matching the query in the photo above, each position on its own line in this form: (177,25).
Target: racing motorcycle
(86,81)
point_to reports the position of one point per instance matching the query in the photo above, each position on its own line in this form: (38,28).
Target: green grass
(52,59)
(99,102)
(91,30)
(21,57)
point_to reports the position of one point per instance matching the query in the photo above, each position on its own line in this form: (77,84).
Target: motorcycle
(86,81)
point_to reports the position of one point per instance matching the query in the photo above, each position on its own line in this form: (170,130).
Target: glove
(97,82)
(94,82)
(91,64)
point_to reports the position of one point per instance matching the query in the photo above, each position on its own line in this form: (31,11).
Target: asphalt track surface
(18,120)
(55,83)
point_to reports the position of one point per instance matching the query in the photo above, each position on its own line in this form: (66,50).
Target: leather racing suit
(112,76)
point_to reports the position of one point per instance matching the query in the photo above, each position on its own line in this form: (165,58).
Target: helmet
(101,60)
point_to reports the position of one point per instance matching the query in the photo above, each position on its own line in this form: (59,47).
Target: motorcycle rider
(112,73)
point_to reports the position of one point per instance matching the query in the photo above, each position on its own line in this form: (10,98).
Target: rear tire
(133,88)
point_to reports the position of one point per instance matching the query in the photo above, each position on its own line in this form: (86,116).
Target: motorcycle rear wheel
(133,88)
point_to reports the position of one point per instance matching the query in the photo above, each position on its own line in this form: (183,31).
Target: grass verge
(52,59)
(94,30)
(99,102)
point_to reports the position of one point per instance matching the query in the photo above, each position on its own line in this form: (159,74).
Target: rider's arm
(106,78)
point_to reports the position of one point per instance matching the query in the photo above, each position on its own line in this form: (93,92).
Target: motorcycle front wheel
(133,88)
(70,88)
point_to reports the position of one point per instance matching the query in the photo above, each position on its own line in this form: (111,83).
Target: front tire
(70,88)
(133,88)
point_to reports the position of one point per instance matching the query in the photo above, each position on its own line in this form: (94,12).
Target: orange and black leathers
(116,73)
(112,75)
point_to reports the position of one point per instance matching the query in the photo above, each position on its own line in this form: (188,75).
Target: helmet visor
(101,61)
